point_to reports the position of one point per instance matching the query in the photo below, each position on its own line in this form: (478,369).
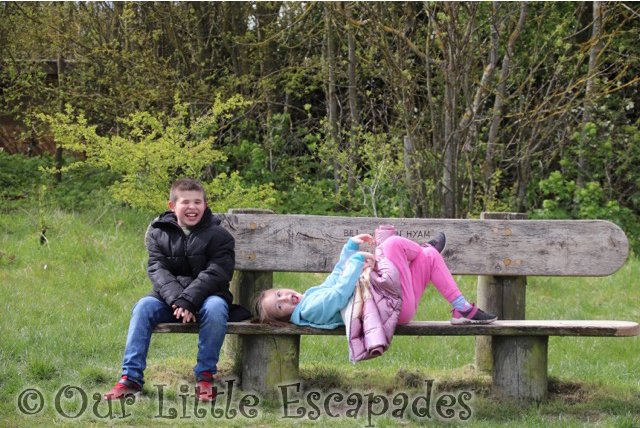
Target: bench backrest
(308,243)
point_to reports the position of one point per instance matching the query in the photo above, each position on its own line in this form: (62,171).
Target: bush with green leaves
(373,162)
(148,152)
(24,180)
(564,200)
(19,178)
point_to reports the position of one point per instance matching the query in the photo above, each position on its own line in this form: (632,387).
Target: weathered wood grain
(269,361)
(504,296)
(520,368)
(245,285)
(305,243)
(442,328)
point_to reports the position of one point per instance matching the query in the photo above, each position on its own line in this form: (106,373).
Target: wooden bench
(501,248)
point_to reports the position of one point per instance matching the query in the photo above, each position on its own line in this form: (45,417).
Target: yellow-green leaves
(150,151)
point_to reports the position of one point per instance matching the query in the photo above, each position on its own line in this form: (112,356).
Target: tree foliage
(150,152)
(377,108)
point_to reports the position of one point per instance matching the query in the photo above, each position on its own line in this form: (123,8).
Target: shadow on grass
(578,401)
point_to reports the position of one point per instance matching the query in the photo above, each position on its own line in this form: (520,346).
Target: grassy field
(66,308)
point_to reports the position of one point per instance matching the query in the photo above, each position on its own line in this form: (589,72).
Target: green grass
(66,308)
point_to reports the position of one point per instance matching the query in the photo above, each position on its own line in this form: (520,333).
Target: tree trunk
(332,99)
(353,99)
(58,156)
(448,174)
(267,12)
(496,117)
(452,40)
(234,26)
(413,175)
(467,125)
(433,121)
(594,52)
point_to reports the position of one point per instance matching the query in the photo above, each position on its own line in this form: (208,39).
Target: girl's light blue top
(320,305)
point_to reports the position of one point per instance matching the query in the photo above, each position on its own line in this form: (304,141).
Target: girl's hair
(261,316)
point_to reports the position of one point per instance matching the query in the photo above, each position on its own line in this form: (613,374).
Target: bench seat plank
(307,243)
(442,328)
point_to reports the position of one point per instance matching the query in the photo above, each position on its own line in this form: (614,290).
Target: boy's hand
(361,239)
(184,314)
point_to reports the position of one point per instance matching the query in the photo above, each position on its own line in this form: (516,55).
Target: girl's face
(279,303)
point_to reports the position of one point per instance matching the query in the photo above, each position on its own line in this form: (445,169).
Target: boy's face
(189,207)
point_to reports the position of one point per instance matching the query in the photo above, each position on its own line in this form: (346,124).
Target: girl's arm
(350,248)
(321,305)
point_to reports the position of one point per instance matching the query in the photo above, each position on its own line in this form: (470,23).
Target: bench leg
(244,286)
(504,296)
(269,361)
(520,368)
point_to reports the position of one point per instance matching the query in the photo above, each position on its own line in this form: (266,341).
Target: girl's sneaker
(439,242)
(474,315)
(123,389)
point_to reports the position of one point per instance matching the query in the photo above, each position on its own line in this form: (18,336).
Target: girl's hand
(369,259)
(361,239)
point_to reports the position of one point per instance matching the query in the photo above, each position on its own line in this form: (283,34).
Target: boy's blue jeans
(149,312)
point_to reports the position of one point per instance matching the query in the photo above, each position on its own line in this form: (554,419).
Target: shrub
(19,176)
(150,152)
(563,200)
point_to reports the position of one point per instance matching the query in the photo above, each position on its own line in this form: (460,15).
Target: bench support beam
(504,296)
(244,286)
(269,361)
(520,368)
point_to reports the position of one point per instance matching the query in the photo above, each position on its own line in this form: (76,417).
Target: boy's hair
(186,184)
(261,316)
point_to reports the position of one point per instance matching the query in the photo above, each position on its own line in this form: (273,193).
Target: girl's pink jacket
(372,313)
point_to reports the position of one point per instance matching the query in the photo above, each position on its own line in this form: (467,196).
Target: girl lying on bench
(399,273)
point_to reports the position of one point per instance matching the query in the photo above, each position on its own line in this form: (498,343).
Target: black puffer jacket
(185,270)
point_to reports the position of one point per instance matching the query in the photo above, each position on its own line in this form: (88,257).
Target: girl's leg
(418,266)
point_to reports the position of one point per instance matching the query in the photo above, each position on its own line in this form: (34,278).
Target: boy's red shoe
(204,387)
(124,388)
